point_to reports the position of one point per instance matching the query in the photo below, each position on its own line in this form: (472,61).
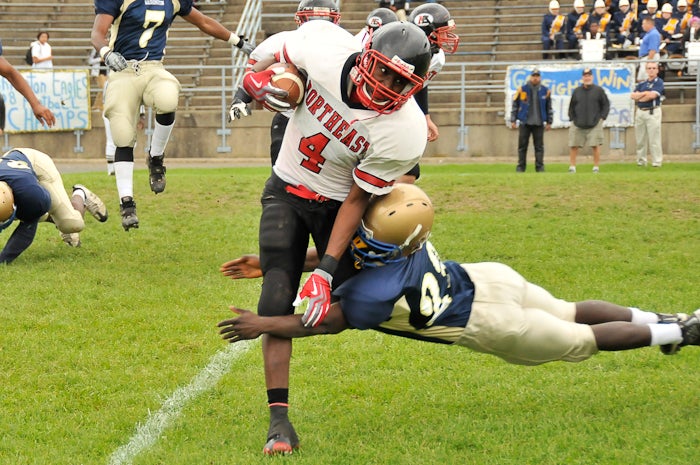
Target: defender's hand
(318,290)
(242,328)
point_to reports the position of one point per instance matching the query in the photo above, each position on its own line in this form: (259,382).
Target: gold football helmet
(7,206)
(393,227)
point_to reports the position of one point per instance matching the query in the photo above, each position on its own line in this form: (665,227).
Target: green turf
(97,338)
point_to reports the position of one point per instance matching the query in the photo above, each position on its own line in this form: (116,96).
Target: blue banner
(617,79)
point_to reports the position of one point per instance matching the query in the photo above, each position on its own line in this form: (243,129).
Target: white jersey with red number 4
(328,145)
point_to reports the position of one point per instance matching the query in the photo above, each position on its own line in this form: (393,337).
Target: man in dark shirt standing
(588,108)
(532,113)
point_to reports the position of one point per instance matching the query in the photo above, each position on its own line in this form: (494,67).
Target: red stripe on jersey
(370,179)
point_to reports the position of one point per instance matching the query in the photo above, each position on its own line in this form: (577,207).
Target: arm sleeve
(572,104)
(422,100)
(21,238)
(2,113)
(548,104)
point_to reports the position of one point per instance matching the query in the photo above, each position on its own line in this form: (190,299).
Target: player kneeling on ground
(406,290)
(31,190)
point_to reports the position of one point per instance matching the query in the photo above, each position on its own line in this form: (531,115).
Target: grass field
(109,353)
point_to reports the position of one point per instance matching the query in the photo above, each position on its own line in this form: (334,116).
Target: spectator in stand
(647,121)
(651,11)
(601,17)
(625,20)
(532,115)
(553,31)
(41,51)
(649,47)
(670,30)
(376,19)
(684,15)
(400,7)
(588,108)
(692,33)
(576,25)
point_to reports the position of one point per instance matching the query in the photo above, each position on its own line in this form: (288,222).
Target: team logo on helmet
(423,20)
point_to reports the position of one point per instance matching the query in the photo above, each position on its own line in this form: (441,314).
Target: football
(290,80)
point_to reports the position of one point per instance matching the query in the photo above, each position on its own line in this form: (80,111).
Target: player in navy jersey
(341,145)
(406,290)
(138,31)
(31,190)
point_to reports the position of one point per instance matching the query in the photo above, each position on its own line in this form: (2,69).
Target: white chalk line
(148,433)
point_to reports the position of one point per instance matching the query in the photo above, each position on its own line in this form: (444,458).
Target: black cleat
(127,208)
(281,437)
(690,329)
(156,173)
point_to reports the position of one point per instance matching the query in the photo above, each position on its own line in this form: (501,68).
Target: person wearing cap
(576,24)
(647,120)
(601,17)
(532,115)
(684,15)
(588,108)
(553,30)
(625,24)
(670,30)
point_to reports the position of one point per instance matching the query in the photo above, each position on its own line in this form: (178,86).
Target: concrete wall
(195,136)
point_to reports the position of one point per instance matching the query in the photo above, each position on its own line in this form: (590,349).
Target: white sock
(161,134)
(124,172)
(665,334)
(80,193)
(640,317)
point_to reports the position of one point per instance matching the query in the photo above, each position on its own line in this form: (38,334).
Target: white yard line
(148,433)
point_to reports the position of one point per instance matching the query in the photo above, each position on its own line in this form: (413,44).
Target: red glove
(259,86)
(318,289)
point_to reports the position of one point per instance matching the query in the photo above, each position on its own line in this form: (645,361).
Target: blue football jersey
(140,27)
(31,199)
(421,297)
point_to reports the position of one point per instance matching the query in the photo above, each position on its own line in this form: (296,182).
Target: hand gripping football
(289,78)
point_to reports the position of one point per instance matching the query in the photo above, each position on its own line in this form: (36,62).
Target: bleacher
(493,33)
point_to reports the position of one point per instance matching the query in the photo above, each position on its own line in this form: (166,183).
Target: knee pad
(164,96)
(123,132)
(277,294)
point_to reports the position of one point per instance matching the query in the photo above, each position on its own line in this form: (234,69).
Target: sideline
(148,433)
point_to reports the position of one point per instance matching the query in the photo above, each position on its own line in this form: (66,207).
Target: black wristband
(242,95)
(328,264)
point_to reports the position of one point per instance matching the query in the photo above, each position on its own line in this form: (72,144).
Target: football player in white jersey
(375,19)
(435,20)
(406,290)
(134,53)
(307,10)
(342,145)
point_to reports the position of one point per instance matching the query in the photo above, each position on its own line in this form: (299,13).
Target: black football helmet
(317,9)
(379,17)
(399,49)
(434,19)
(394,226)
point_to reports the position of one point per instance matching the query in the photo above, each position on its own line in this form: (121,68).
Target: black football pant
(286,223)
(537,133)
